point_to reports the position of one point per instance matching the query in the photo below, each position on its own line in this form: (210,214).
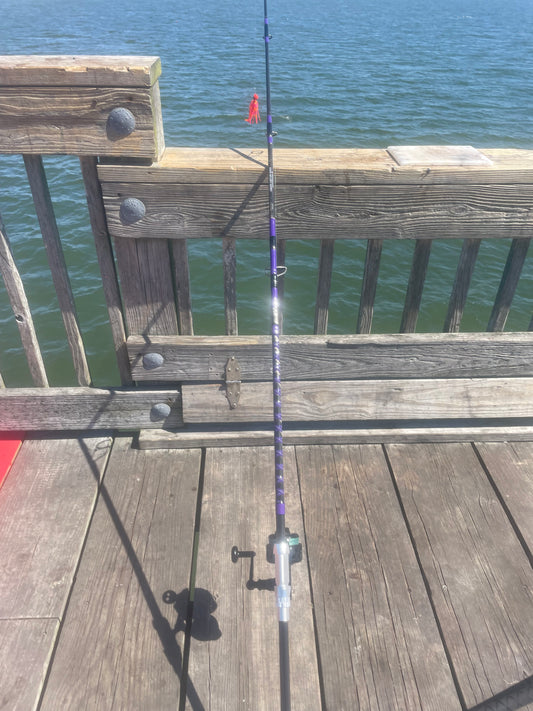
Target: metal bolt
(152,361)
(120,123)
(131,210)
(159,412)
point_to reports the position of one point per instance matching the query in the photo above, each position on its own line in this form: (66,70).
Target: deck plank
(45,506)
(26,649)
(480,578)
(120,647)
(379,644)
(510,466)
(234,653)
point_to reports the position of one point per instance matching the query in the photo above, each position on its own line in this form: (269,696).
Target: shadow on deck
(117,589)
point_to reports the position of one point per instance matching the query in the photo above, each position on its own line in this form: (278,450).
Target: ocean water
(346,73)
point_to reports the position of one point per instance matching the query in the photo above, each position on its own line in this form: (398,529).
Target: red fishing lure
(253,111)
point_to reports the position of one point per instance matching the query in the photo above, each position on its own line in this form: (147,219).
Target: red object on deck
(9,446)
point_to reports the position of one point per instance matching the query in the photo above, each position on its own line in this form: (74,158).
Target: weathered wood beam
(365,400)
(21,311)
(317,166)
(182,281)
(204,358)
(454,211)
(327,433)
(147,287)
(52,241)
(461,285)
(325,270)
(80,70)
(104,253)
(229,262)
(81,105)
(370,282)
(88,409)
(415,287)
(509,282)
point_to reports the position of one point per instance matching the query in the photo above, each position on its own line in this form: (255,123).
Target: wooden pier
(409,456)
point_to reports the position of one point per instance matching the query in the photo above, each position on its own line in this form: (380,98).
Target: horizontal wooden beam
(81,106)
(27,409)
(364,400)
(220,436)
(320,211)
(202,358)
(78,70)
(359,166)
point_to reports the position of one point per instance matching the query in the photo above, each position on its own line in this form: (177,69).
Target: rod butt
(284,667)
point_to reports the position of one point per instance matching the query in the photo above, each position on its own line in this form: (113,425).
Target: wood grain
(121,645)
(329,433)
(479,577)
(58,267)
(229,262)
(234,647)
(45,509)
(506,291)
(178,211)
(86,408)
(79,70)
(106,262)
(370,282)
(365,400)
(146,285)
(510,467)
(21,310)
(325,269)
(461,285)
(27,646)
(415,286)
(340,357)
(378,641)
(47,120)
(180,260)
(343,166)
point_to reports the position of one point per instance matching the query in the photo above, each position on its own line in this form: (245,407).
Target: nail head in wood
(120,123)
(131,210)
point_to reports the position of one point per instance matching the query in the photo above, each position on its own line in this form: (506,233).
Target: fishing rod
(283,547)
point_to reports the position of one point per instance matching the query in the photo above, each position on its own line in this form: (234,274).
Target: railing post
(56,259)
(21,310)
(104,254)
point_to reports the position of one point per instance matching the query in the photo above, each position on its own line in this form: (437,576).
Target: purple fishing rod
(283,548)
(275,306)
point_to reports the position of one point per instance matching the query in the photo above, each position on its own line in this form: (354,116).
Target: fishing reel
(295,547)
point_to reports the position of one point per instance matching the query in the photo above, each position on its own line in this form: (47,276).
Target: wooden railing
(146,207)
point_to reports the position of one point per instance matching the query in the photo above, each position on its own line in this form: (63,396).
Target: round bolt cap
(131,210)
(120,123)
(159,412)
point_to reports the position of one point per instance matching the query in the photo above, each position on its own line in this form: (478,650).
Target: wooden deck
(416,590)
